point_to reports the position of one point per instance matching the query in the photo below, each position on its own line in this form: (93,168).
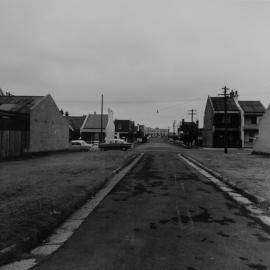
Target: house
(91,127)
(125,129)
(262,143)
(75,125)
(253,112)
(242,121)
(31,124)
(214,123)
(189,132)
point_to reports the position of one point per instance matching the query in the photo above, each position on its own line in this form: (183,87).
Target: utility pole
(101,121)
(192,112)
(225,95)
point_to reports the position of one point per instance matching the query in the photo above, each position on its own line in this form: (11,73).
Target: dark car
(115,144)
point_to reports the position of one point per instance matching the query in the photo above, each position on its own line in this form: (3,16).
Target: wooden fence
(13,143)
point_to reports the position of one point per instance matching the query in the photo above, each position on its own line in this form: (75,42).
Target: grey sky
(142,55)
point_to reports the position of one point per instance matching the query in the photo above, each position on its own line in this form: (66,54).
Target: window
(253,120)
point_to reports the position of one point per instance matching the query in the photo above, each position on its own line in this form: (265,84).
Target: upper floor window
(253,120)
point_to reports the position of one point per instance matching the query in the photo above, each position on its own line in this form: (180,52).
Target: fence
(13,143)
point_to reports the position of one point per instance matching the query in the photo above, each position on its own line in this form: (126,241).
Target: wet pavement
(163,216)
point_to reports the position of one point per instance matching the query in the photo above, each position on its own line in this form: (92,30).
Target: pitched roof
(252,106)
(218,103)
(75,122)
(18,104)
(93,121)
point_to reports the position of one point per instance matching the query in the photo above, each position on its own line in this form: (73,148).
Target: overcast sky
(143,55)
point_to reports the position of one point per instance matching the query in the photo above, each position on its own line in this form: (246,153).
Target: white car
(81,145)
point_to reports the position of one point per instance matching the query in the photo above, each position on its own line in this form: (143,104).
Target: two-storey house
(242,127)
(252,115)
(214,123)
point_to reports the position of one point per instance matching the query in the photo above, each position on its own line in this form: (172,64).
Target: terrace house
(243,119)
(214,123)
(252,115)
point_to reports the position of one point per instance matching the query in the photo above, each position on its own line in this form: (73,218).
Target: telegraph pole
(192,112)
(101,121)
(225,95)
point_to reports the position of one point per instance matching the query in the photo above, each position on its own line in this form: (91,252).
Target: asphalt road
(163,216)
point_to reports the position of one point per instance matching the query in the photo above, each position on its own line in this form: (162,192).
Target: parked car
(115,144)
(81,145)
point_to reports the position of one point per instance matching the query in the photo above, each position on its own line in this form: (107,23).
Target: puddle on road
(221,233)
(119,199)
(203,217)
(156,184)
(257,266)
(191,268)
(140,189)
(204,190)
(152,226)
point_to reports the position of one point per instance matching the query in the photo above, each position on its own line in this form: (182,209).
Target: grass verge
(248,172)
(38,194)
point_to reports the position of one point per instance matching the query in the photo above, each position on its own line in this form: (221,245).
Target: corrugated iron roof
(94,121)
(18,104)
(75,122)
(218,103)
(252,106)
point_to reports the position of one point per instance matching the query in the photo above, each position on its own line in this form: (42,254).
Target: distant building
(31,124)
(75,125)
(125,129)
(189,132)
(91,128)
(242,122)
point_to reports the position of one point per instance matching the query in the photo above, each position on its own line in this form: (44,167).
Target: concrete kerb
(249,204)
(254,198)
(8,254)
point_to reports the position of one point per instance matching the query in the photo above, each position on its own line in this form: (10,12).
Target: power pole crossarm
(192,112)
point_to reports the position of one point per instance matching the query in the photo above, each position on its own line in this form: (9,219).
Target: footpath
(247,173)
